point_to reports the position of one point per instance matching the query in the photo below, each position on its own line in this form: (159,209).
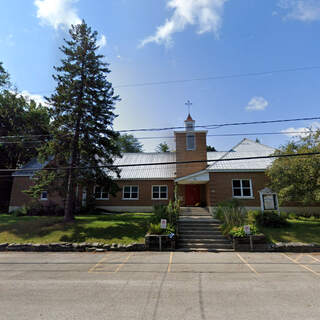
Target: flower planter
(159,242)
(257,243)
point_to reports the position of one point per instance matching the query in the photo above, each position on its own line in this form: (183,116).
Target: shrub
(23,211)
(239,231)
(272,219)
(252,216)
(48,209)
(155,228)
(232,217)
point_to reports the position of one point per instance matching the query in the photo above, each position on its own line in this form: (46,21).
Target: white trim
(159,186)
(101,192)
(189,134)
(130,186)
(191,175)
(241,189)
(236,170)
(43,199)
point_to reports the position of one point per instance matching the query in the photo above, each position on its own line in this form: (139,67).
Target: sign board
(247,230)
(163,223)
(269,203)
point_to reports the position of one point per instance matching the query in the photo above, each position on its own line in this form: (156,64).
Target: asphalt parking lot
(159,285)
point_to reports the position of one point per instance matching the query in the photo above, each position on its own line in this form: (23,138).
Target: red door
(192,194)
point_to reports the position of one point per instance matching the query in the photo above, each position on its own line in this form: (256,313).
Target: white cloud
(102,42)
(301,132)
(57,13)
(257,104)
(303,10)
(36,97)
(205,14)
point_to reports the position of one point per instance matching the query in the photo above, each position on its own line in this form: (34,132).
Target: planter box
(159,242)
(259,243)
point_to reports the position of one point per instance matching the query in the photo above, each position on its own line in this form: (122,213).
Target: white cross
(188,104)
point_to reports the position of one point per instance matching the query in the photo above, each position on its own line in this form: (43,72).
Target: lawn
(122,228)
(300,230)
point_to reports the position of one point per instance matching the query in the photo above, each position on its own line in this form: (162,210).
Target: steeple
(189,123)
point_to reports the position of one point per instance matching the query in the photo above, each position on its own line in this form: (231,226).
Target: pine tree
(82,119)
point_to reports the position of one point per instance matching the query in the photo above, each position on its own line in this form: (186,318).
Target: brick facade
(219,187)
(182,154)
(145,194)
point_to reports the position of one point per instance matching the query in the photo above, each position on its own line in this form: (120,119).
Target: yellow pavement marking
(298,257)
(99,263)
(124,261)
(247,264)
(301,265)
(314,258)
(170,262)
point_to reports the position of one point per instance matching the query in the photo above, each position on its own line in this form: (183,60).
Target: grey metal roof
(246,148)
(34,165)
(147,172)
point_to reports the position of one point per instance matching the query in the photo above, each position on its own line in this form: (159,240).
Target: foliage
(155,228)
(271,219)
(82,113)
(129,143)
(239,231)
(4,76)
(162,147)
(21,118)
(211,148)
(297,179)
(50,209)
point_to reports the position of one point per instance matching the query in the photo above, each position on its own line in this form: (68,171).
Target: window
(159,192)
(130,192)
(100,193)
(242,188)
(44,195)
(191,142)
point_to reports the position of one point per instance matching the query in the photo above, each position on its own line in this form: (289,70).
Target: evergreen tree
(4,76)
(211,148)
(163,147)
(129,143)
(82,120)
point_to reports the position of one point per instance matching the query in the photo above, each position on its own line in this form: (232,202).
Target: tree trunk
(69,206)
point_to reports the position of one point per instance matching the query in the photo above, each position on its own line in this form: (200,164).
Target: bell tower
(191,145)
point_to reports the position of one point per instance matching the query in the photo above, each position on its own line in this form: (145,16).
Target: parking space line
(314,258)
(124,262)
(170,262)
(99,263)
(298,258)
(247,264)
(301,265)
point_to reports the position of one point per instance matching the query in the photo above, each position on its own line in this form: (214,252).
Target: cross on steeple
(188,104)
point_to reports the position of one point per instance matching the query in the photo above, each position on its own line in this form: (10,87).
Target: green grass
(300,230)
(114,228)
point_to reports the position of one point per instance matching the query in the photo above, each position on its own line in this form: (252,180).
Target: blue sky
(160,40)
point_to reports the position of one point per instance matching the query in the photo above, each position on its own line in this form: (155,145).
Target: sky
(152,41)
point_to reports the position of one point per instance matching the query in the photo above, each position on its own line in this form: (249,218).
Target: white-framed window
(159,192)
(44,196)
(130,193)
(100,193)
(242,188)
(191,141)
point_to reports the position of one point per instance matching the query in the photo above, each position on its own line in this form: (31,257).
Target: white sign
(163,223)
(269,202)
(247,229)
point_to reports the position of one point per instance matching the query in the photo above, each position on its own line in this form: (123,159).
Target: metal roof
(246,148)
(147,172)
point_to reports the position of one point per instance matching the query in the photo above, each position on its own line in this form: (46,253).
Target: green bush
(272,219)
(23,211)
(252,216)
(155,228)
(239,231)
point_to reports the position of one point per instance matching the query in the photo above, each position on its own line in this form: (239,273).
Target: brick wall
(182,154)
(220,187)
(145,194)
(19,198)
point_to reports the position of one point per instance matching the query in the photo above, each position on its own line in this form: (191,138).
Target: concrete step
(205,246)
(201,236)
(199,220)
(203,241)
(204,250)
(197,233)
(200,214)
